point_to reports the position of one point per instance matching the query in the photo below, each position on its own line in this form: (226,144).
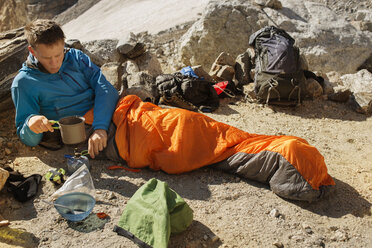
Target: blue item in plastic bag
(188,71)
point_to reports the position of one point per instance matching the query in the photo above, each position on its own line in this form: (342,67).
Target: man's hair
(43,31)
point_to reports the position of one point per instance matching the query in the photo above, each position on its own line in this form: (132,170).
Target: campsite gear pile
(152,214)
(279,78)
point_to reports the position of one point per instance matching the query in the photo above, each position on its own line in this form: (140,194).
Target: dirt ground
(228,211)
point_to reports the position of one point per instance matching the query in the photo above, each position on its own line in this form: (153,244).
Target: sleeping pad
(178,140)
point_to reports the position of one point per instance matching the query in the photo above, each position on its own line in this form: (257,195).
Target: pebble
(215,239)
(274,213)
(8,151)
(333,228)
(278,244)
(112,196)
(339,236)
(205,237)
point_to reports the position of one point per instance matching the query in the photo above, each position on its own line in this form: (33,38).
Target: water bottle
(75,162)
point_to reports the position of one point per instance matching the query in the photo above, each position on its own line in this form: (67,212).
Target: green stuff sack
(152,214)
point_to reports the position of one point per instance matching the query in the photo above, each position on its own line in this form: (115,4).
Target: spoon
(71,210)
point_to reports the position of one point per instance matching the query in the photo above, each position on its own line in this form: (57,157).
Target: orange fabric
(89,116)
(177,140)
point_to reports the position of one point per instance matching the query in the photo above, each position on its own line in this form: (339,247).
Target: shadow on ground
(343,200)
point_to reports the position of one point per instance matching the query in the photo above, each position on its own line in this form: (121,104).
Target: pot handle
(55,122)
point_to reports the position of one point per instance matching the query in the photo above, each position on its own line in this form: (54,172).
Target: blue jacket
(77,87)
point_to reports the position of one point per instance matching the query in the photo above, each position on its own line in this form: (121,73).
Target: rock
(274,213)
(313,88)
(341,94)
(7,151)
(15,14)
(47,8)
(214,239)
(363,20)
(13,52)
(4,174)
(224,26)
(274,4)
(339,236)
(104,51)
(74,43)
(226,73)
(141,92)
(200,72)
(243,66)
(225,59)
(278,244)
(130,46)
(320,34)
(148,63)
(223,67)
(112,196)
(360,84)
(76,10)
(145,86)
(113,73)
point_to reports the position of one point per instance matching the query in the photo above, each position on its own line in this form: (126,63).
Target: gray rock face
(328,42)
(47,8)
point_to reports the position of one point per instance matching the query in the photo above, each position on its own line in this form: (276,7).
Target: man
(54,83)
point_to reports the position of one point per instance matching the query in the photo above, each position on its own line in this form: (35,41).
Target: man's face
(50,56)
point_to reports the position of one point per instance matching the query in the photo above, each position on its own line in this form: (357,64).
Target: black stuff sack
(22,188)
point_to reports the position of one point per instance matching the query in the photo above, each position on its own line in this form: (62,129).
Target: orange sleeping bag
(177,141)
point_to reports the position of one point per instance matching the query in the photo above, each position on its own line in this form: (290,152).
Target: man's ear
(32,51)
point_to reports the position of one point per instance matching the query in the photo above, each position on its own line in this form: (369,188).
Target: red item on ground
(102,215)
(115,167)
(220,86)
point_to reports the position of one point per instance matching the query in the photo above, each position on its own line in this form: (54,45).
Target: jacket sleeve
(26,106)
(106,96)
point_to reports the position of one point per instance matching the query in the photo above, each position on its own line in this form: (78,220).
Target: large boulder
(328,42)
(360,84)
(15,14)
(13,52)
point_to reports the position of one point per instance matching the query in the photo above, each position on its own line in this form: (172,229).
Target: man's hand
(97,142)
(39,124)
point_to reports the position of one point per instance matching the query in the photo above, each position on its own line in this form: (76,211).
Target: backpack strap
(295,87)
(272,87)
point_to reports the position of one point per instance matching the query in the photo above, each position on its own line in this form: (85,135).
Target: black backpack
(187,92)
(279,78)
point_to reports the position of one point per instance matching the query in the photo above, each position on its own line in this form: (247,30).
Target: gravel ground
(228,211)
